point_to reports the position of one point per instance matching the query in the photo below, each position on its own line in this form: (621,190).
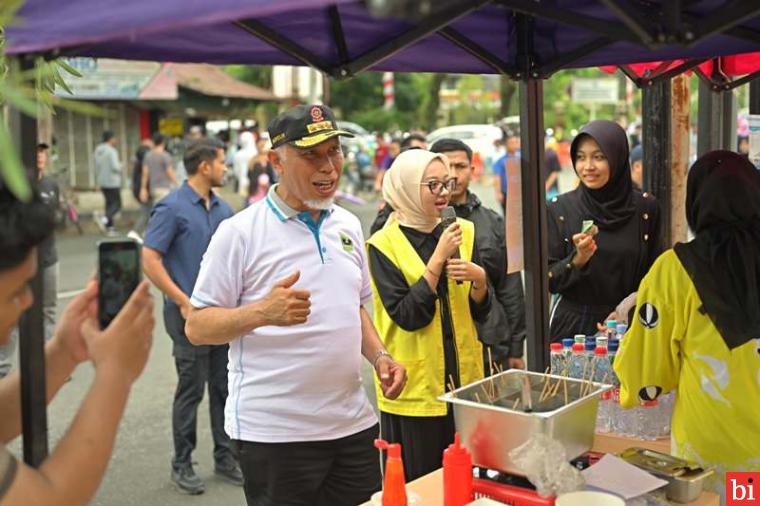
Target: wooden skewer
(489,397)
(590,383)
(514,406)
(477,398)
(556,388)
(491,370)
(564,387)
(451,384)
(543,390)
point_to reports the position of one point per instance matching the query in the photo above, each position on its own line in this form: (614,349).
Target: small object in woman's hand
(589,228)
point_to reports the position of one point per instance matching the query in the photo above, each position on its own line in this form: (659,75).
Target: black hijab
(723,260)
(612,205)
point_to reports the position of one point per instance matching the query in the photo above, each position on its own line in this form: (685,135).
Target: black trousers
(341,472)
(422,438)
(196,367)
(113,203)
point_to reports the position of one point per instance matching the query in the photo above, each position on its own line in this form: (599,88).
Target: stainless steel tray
(491,419)
(685,480)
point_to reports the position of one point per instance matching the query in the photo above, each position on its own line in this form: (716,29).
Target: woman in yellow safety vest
(428,290)
(697,324)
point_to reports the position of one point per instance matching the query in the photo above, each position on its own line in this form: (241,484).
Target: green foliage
(257,75)
(30,91)
(360,99)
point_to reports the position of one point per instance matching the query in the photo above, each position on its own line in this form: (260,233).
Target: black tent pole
(31,334)
(656,142)
(535,245)
(715,120)
(754,96)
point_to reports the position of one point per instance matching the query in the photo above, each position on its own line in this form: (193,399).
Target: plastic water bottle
(649,424)
(579,338)
(667,403)
(602,372)
(622,328)
(611,329)
(577,362)
(557,359)
(619,417)
(602,341)
(567,347)
(588,351)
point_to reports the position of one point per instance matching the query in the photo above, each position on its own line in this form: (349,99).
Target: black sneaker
(229,470)
(187,481)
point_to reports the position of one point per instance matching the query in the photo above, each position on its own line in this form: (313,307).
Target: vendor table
(430,489)
(430,486)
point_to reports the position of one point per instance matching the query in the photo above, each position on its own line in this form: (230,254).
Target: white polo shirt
(303,382)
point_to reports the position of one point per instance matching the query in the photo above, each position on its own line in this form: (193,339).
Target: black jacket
(504,329)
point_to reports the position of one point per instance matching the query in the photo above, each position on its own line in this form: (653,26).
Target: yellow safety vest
(421,351)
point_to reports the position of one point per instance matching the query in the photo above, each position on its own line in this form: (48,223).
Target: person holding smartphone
(72,472)
(178,233)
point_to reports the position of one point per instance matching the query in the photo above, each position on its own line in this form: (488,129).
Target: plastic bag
(545,464)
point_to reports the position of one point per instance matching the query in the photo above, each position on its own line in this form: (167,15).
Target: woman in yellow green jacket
(697,324)
(428,291)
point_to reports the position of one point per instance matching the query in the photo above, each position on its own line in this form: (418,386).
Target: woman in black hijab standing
(592,271)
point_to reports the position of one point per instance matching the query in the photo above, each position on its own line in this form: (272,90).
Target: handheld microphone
(448,218)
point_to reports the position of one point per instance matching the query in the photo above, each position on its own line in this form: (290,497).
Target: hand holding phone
(122,349)
(119,273)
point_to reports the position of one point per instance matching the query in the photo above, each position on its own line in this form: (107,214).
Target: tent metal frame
(673,24)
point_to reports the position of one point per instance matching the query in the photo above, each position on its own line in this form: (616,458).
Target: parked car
(363,138)
(485,140)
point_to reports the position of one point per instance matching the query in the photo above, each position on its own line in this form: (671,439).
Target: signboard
(595,90)
(754,140)
(173,127)
(107,79)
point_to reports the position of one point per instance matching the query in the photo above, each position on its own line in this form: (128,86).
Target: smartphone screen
(119,274)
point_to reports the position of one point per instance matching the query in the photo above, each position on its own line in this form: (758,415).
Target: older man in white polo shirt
(284,283)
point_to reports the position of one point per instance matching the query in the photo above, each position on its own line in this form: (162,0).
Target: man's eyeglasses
(436,187)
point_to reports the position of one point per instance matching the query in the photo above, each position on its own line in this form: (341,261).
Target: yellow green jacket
(421,351)
(671,345)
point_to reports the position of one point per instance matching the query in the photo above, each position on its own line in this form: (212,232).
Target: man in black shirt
(47,259)
(504,330)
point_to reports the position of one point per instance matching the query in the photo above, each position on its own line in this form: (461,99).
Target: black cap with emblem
(304,126)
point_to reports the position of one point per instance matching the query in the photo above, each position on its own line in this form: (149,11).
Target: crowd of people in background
(157,167)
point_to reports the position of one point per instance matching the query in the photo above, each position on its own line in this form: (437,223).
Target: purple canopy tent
(341,37)
(525,39)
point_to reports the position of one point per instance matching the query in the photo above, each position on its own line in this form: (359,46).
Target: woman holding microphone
(429,289)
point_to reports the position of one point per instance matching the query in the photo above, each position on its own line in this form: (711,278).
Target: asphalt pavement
(138,473)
